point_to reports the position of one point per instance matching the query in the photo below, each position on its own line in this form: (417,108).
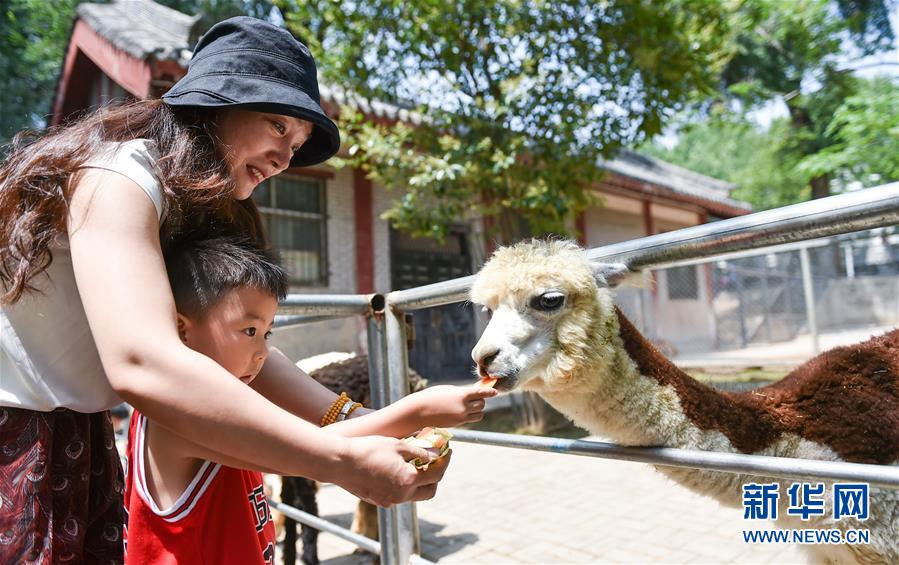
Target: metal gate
(442,335)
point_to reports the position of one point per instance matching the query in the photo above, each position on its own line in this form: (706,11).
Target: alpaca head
(547,303)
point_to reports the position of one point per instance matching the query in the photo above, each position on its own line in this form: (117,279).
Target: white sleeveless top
(48,358)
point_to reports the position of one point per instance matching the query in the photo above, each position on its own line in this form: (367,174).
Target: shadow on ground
(434,546)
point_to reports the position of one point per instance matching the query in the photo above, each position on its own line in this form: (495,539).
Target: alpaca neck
(632,394)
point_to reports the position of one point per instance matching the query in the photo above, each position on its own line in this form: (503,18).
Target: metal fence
(388,363)
(838,288)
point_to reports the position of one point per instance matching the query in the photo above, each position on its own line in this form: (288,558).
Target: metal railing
(388,363)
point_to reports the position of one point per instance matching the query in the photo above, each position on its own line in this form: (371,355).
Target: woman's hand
(446,406)
(377,469)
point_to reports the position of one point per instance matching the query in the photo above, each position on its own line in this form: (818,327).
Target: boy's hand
(445,406)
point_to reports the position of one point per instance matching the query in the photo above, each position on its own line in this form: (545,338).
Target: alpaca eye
(548,301)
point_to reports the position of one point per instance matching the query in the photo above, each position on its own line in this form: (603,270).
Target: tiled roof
(648,169)
(373,108)
(142,28)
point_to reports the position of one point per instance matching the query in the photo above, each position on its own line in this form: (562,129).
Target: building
(327,223)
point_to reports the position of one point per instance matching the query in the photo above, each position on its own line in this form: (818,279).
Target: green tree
(213,11)
(33,39)
(865,130)
(509,103)
(795,51)
(734,149)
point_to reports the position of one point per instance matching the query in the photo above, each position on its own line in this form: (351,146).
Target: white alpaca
(555,330)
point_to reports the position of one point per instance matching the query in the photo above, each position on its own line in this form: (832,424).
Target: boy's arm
(441,406)
(285,384)
(168,467)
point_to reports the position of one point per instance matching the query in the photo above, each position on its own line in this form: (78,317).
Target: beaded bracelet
(331,415)
(344,410)
(347,410)
(353,407)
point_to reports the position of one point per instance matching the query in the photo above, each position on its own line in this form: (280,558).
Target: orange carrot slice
(488,381)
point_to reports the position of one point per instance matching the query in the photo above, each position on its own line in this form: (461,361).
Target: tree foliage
(865,130)
(33,39)
(838,126)
(515,100)
(734,149)
(212,11)
(795,52)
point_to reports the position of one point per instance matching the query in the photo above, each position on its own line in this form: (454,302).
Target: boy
(182,505)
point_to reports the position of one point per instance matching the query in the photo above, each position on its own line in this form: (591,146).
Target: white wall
(381,200)
(688,325)
(619,220)
(684,324)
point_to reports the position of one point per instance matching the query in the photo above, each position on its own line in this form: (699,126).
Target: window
(683,283)
(293,209)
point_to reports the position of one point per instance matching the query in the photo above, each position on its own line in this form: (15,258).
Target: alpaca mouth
(505,384)
(505,381)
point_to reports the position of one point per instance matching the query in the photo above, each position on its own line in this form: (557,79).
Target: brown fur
(846,398)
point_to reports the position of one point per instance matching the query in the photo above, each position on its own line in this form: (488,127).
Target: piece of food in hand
(487,381)
(433,440)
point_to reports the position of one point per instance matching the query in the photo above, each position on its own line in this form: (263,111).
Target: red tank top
(222,516)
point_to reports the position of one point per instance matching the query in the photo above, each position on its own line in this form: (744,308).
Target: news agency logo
(806,500)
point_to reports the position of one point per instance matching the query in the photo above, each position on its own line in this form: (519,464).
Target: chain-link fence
(801,298)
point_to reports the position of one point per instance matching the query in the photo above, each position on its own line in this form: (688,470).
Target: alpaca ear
(610,275)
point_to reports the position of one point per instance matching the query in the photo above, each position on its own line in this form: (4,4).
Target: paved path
(502,505)
(786,353)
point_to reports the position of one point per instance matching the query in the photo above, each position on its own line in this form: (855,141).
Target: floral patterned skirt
(61,486)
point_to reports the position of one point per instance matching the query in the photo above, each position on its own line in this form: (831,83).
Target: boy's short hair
(202,270)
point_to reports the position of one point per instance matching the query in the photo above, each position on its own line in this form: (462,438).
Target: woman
(88,317)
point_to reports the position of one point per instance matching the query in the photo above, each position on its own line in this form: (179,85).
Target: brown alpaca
(556,331)
(339,372)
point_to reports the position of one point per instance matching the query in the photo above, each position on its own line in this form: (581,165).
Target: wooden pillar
(580,224)
(363,216)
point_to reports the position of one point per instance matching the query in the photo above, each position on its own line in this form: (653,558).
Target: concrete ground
(502,505)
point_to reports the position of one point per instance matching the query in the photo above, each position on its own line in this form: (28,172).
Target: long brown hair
(36,182)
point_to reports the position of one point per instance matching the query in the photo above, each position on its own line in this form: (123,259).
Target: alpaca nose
(487,358)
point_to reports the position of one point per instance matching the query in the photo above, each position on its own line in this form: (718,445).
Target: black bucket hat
(251,64)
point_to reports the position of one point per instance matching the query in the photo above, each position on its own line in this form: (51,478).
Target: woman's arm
(118,264)
(295,391)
